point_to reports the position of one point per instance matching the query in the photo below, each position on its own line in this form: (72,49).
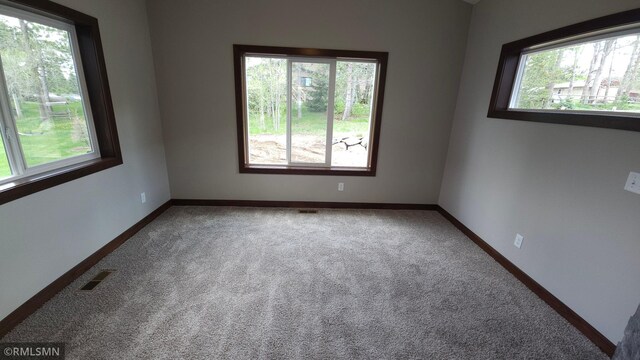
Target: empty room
(354,179)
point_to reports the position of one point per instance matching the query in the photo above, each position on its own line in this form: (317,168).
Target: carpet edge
(561,308)
(44,295)
(36,301)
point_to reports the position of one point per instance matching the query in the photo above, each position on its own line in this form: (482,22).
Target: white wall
(45,234)
(560,186)
(192,44)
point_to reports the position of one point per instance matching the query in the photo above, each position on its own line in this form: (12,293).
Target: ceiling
(472,1)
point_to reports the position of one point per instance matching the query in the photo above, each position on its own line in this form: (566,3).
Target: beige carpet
(245,283)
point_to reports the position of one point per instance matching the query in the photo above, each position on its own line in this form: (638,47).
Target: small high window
(308,111)
(584,74)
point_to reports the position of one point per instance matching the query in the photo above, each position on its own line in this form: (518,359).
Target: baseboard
(35,302)
(303,204)
(574,319)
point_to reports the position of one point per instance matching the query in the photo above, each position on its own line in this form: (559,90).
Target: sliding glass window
(308,114)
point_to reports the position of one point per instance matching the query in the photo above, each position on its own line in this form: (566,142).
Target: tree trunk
(299,107)
(632,71)
(44,86)
(348,102)
(606,51)
(263,125)
(272,112)
(274,100)
(552,84)
(573,73)
(16,103)
(299,102)
(592,66)
(608,86)
(35,67)
(276,116)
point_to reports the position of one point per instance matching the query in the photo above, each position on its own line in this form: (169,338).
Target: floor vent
(96,280)
(303,211)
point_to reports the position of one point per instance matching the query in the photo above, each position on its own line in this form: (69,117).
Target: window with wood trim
(56,116)
(584,74)
(308,111)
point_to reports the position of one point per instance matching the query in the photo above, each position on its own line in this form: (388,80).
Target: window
(308,111)
(584,74)
(56,117)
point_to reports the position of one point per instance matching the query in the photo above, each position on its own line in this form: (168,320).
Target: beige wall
(45,234)
(192,44)
(559,186)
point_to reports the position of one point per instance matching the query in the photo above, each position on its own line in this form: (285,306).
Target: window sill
(32,184)
(299,170)
(609,120)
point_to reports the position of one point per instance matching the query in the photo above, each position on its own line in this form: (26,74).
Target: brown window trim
(95,72)
(508,67)
(240,50)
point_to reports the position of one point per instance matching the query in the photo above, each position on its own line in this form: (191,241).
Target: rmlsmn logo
(40,351)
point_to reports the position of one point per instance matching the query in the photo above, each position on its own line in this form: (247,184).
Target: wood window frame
(238,53)
(509,63)
(95,73)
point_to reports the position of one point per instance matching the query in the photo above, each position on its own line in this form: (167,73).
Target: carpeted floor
(238,283)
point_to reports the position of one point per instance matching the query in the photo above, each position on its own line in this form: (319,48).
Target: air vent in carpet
(303,211)
(96,280)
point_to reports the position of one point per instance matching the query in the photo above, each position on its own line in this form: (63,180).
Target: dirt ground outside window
(272,150)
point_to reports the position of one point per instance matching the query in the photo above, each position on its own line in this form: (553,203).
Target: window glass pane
(266,82)
(596,75)
(43,90)
(310,93)
(5,170)
(352,113)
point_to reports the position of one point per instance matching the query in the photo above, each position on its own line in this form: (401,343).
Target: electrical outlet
(633,183)
(518,242)
(340,186)
(143,198)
